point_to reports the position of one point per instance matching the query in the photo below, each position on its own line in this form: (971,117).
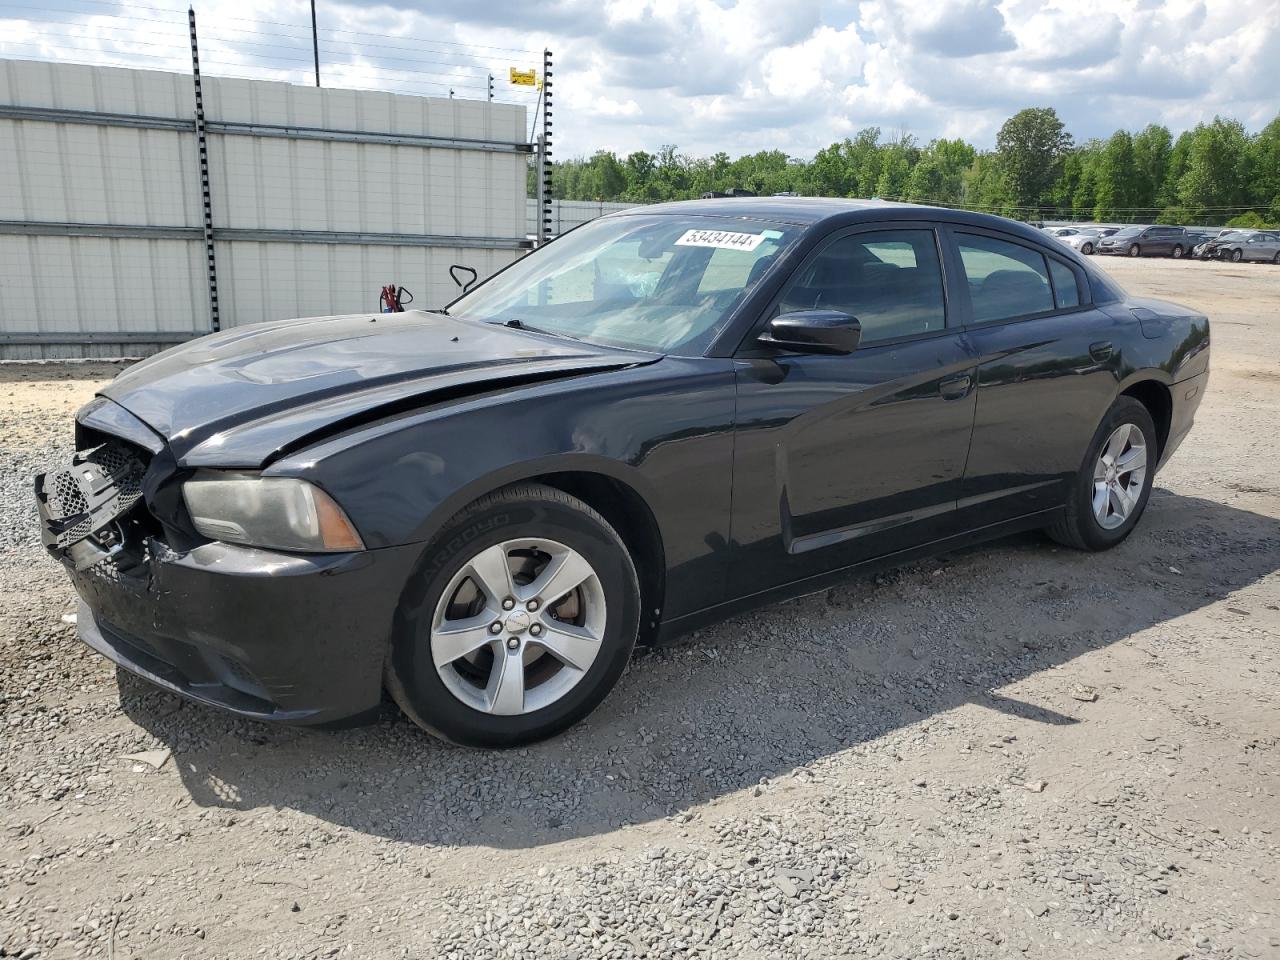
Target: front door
(839,459)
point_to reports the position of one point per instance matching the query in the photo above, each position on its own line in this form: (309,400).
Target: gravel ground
(1012,750)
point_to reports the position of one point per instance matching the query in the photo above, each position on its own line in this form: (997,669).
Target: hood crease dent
(245,397)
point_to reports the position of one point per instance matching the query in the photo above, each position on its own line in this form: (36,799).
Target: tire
(463,700)
(1087,249)
(1079,526)
(1177,253)
(1135,250)
(1276,258)
(1237,255)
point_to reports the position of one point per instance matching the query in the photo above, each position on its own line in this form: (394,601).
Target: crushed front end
(264,633)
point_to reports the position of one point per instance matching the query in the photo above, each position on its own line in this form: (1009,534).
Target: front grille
(99,488)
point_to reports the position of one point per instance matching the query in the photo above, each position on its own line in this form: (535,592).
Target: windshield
(1128,232)
(666,284)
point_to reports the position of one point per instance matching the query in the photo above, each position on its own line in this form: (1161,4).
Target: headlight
(277,513)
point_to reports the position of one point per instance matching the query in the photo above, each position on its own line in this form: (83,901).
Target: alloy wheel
(1119,475)
(518,626)
(1135,251)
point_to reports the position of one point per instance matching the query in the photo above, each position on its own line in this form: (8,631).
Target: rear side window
(891,280)
(1006,280)
(1066,292)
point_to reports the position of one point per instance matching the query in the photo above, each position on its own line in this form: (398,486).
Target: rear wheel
(1135,250)
(1177,253)
(521,623)
(1087,249)
(1111,491)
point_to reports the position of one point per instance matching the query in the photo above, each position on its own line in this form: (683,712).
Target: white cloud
(739,75)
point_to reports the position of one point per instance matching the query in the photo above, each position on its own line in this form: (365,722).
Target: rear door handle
(1101,350)
(953,388)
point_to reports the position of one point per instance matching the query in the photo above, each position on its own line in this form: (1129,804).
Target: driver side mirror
(814,331)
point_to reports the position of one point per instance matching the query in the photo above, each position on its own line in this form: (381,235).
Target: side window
(1005,279)
(890,280)
(1066,292)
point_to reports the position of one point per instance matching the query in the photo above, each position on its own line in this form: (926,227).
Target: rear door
(1045,375)
(839,459)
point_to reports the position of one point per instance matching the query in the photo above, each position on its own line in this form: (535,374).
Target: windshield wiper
(515,323)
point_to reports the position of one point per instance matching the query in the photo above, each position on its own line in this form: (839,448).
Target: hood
(241,397)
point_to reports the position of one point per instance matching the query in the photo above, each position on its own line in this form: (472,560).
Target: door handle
(954,388)
(1101,350)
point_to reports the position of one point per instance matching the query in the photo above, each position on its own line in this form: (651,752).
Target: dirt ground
(910,766)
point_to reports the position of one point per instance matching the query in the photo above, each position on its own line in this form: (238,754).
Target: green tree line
(1213,174)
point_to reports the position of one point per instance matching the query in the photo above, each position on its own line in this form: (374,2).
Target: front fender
(511,473)
(665,430)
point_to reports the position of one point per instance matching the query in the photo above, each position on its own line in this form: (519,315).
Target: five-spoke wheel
(1111,490)
(518,626)
(521,621)
(1119,476)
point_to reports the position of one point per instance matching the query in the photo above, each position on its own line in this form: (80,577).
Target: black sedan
(663,417)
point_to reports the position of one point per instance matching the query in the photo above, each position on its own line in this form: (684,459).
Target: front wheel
(1135,251)
(1087,249)
(521,621)
(1177,253)
(1114,483)
(1237,256)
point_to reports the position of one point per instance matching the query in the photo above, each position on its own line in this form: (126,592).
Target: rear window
(1006,280)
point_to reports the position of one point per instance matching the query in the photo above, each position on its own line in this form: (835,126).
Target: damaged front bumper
(264,634)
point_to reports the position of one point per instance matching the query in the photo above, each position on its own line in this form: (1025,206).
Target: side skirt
(671,629)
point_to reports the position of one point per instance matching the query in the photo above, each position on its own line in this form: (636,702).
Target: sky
(728,75)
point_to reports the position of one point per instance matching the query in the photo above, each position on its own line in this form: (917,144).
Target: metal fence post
(544,231)
(215,321)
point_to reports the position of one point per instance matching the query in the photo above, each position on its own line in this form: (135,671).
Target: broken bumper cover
(266,635)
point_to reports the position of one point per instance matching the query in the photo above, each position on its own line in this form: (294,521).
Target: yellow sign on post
(524,78)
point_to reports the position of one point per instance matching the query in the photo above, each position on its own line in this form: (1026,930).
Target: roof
(799,210)
(807,211)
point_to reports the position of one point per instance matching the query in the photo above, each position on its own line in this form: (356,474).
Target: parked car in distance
(663,417)
(1084,241)
(1261,246)
(1061,232)
(1200,239)
(1210,248)
(1153,241)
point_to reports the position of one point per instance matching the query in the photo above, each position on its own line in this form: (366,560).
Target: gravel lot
(911,766)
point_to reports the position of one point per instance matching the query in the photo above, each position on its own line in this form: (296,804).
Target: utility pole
(315,41)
